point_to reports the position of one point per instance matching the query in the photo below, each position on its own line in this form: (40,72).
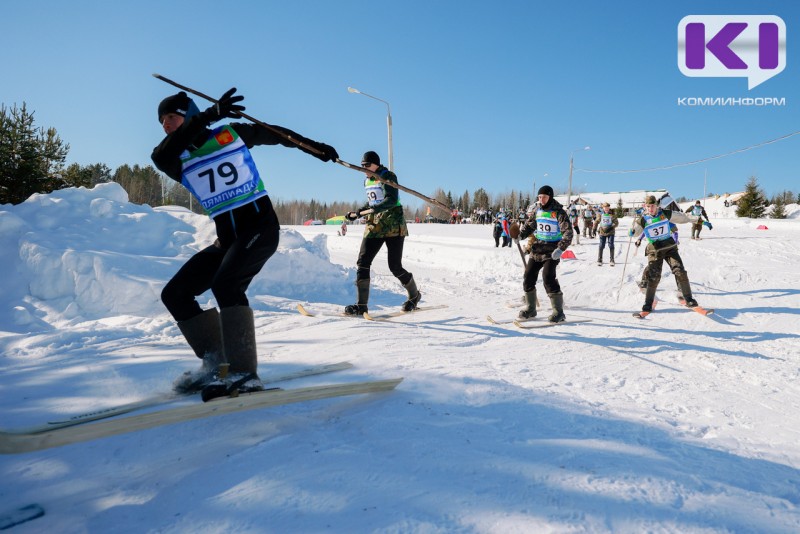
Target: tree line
(32,160)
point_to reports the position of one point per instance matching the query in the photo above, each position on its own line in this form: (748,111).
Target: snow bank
(79,254)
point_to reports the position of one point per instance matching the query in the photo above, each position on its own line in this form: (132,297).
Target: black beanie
(546,190)
(371,157)
(179,104)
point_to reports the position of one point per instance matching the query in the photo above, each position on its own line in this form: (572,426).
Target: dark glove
(328,152)
(226,107)
(352,216)
(637,243)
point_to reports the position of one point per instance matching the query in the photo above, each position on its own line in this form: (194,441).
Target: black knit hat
(179,104)
(370,157)
(546,190)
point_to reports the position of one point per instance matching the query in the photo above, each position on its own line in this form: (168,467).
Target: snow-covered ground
(676,423)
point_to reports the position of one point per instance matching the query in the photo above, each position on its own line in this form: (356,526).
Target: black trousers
(227,273)
(369,249)
(548,269)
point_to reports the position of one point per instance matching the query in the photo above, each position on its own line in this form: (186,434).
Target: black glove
(352,216)
(226,107)
(328,152)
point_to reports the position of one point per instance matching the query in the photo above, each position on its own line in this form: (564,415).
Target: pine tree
(620,210)
(779,205)
(31,159)
(753,203)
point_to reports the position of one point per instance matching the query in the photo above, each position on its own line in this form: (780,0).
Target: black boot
(204,334)
(360,307)
(557,302)
(529,311)
(413,296)
(239,341)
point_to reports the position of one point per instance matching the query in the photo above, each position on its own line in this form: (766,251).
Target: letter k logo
(719,45)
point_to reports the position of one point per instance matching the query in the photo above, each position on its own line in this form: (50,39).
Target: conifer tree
(31,158)
(779,206)
(753,203)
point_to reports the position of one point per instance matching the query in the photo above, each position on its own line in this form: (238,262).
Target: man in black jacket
(551,233)
(216,166)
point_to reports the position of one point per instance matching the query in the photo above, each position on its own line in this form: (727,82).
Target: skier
(216,166)
(552,234)
(573,217)
(698,211)
(605,224)
(497,231)
(505,233)
(385,224)
(654,224)
(588,220)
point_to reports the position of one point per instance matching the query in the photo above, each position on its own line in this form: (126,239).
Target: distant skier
(217,168)
(385,224)
(505,233)
(497,231)
(552,234)
(605,225)
(653,224)
(698,211)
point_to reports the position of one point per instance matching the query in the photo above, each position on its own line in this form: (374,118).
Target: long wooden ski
(14,443)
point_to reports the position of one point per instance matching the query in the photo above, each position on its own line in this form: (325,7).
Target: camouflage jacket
(541,250)
(387,218)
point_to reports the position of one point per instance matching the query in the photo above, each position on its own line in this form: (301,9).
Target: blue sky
(483,94)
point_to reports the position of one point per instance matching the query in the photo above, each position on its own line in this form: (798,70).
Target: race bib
(547,228)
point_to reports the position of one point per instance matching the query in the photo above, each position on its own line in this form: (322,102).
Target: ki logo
(732,46)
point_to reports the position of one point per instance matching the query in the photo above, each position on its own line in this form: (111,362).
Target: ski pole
(625,266)
(513,231)
(311,149)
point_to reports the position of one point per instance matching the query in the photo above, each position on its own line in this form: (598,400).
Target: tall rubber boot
(239,342)
(600,257)
(686,290)
(611,252)
(413,296)
(529,311)
(203,332)
(649,297)
(362,292)
(557,302)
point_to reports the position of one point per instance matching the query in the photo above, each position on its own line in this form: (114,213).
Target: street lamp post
(569,191)
(388,122)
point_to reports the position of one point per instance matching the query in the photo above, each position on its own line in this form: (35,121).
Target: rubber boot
(649,297)
(685,289)
(239,342)
(557,302)
(204,334)
(529,311)
(362,292)
(600,257)
(611,251)
(413,296)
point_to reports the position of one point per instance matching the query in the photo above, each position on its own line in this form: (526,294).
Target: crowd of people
(214,163)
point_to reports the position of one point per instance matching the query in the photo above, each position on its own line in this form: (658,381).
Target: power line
(692,162)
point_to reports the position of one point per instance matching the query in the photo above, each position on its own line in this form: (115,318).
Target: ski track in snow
(674,423)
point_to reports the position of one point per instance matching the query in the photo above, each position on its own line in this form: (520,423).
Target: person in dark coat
(214,163)
(551,232)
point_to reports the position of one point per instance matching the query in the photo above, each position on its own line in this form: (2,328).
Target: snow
(676,423)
